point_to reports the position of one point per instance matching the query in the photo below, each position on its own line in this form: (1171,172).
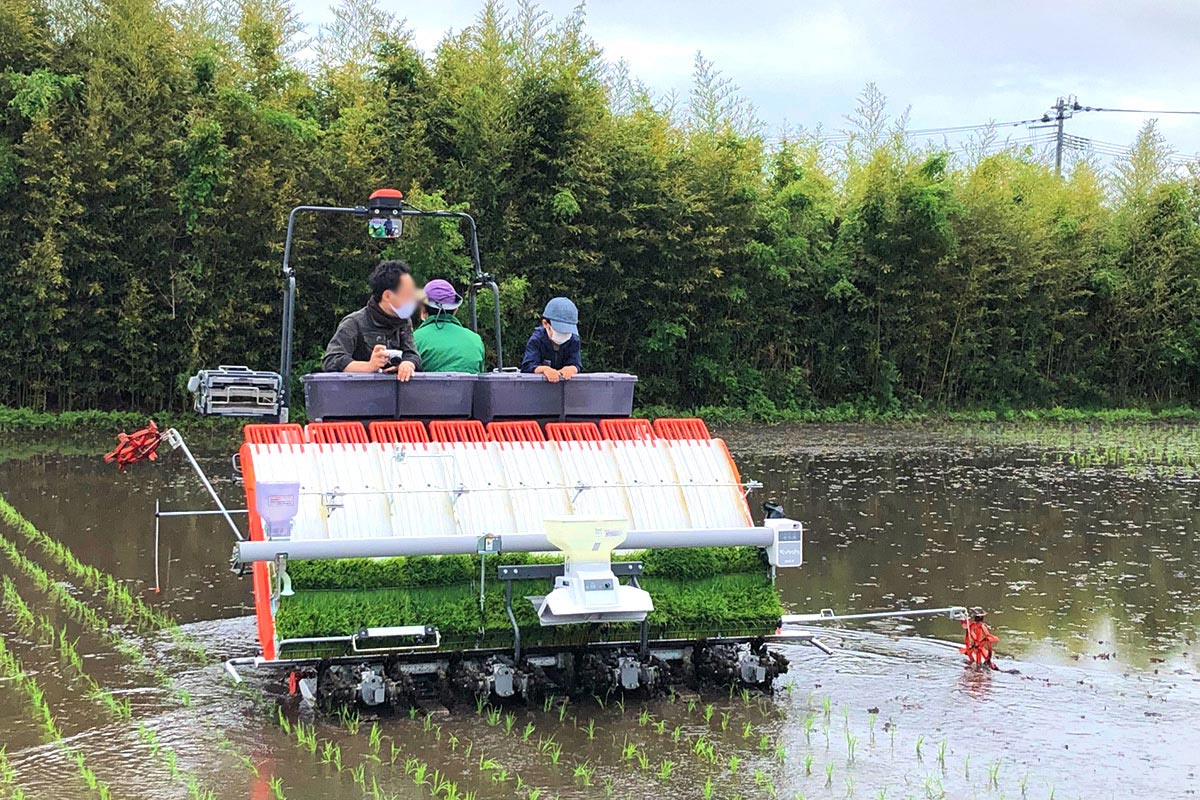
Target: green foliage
(148,162)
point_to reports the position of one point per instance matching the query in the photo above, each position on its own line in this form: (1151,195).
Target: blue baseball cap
(563,315)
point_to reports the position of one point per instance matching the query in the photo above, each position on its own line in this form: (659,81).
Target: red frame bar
(457,430)
(398,431)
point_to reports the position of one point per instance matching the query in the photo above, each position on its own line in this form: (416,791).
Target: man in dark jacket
(362,339)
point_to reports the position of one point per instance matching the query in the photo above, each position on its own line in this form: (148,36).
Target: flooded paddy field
(1088,569)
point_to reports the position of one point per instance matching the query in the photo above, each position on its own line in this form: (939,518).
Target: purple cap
(439,294)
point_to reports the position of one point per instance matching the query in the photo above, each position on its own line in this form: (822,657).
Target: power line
(1135,110)
(948,130)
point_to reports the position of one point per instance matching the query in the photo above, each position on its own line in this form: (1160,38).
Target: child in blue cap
(553,350)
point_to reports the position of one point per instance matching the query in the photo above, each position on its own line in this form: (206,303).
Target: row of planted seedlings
(564,749)
(91,620)
(14,672)
(43,630)
(8,778)
(374,760)
(571,747)
(129,608)
(926,769)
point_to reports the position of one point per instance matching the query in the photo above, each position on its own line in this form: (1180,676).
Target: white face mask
(405,310)
(559,338)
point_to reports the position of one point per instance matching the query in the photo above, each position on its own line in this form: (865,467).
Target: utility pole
(1064,108)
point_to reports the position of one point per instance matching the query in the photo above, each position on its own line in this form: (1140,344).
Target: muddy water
(1088,576)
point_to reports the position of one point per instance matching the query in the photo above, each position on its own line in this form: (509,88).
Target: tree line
(150,153)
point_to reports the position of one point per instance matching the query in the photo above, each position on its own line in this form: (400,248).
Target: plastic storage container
(589,395)
(435,394)
(339,395)
(598,394)
(508,395)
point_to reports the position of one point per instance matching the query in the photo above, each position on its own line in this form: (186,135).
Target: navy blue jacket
(540,351)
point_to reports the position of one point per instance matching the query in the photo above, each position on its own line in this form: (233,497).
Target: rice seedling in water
(920,741)
(851,744)
(808,762)
(734,762)
(664,769)
(276,785)
(708,713)
(583,773)
(994,775)
(829,774)
(527,732)
(628,750)
(16,606)
(941,755)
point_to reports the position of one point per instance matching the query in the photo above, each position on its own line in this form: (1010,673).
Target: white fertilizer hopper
(276,503)
(588,591)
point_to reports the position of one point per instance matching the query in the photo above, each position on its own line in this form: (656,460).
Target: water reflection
(1091,567)
(1091,570)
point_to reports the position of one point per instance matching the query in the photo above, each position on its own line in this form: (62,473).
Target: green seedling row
(11,669)
(8,779)
(92,621)
(383,750)
(84,614)
(119,710)
(127,606)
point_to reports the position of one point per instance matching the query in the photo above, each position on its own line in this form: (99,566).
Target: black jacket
(541,352)
(359,332)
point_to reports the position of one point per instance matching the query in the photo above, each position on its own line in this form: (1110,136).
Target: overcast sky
(955,63)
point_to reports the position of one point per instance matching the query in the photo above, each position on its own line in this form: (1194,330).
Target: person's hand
(549,373)
(378,359)
(568,372)
(405,370)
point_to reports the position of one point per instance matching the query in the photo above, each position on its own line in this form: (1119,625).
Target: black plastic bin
(341,395)
(516,395)
(589,395)
(598,394)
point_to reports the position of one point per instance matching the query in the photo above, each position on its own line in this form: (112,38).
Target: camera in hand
(394,357)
